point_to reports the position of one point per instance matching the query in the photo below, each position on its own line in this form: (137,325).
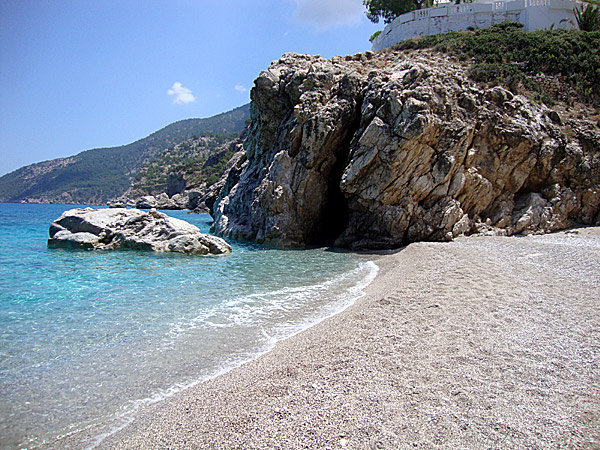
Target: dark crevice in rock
(336,215)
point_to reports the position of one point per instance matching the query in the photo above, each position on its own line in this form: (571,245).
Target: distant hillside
(196,161)
(98,175)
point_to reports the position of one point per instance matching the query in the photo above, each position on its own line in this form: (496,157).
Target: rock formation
(380,149)
(205,203)
(188,199)
(118,228)
(146,202)
(175,184)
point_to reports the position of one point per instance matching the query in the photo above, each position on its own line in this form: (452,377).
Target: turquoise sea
(88,337)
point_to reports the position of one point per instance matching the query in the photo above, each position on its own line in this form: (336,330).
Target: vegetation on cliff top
(506,54)
(587,15)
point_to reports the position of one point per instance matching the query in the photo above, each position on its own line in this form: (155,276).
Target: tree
(390,9)
(588,17)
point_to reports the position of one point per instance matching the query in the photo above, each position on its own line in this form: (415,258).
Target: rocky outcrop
(117,204)
(187,199)
(161,201)
(119,228)
(175,184)
(205,203)
(380,149)
(146,202)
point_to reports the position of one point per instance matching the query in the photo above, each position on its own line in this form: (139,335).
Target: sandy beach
(481,343)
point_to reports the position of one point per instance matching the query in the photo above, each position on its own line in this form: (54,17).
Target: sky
(80,74)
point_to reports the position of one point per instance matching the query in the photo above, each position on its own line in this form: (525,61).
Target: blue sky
(79,74)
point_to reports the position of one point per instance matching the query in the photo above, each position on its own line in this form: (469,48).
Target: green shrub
(501,73)
(506,53)
(374,35)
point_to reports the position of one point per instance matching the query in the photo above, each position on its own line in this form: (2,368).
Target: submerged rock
(118,228)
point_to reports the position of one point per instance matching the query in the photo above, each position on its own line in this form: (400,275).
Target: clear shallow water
(86,338)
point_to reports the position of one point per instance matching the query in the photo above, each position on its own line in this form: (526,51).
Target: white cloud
(329,13)
(182,94)
(240,88)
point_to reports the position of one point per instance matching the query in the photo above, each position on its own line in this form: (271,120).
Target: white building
(445,17)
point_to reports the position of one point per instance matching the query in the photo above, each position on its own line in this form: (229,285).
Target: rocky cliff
(380,149)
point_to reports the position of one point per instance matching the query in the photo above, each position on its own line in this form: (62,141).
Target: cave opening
(335,212)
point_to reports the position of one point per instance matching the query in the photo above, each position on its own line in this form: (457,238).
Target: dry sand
(482,343)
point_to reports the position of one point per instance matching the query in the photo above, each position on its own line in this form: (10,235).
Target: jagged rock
(180,200)
(194,195)
(164,202)
(119,228)
(378,150)
(184,200)
(206,201)
(121,202)
(175,184)
(147,202)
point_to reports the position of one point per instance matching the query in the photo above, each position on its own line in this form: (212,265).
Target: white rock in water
(117,228)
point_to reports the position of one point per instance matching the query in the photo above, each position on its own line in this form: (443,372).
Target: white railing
(461,9)
(421,13)
(420,22)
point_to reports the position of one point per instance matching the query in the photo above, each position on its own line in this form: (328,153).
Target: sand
(481,343)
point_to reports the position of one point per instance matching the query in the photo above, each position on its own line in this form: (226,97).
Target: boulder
(164,202)
(120,228)
(180,200)
(116,204)
(146,202)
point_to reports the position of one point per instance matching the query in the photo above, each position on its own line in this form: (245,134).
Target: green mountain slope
(98,175)
(198,160)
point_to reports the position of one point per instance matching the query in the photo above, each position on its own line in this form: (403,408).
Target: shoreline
(353,282)
(125,420)
(481,342)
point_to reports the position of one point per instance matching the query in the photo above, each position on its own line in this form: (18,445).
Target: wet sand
(481,343)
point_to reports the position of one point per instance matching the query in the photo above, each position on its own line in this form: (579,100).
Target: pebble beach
(480,343)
